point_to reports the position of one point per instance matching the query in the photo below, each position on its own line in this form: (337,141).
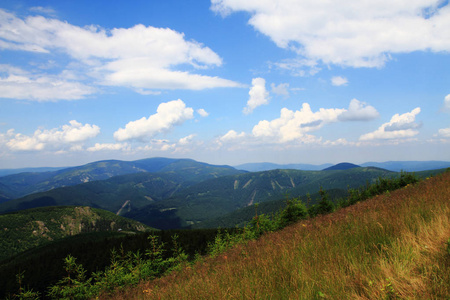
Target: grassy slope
(391,246)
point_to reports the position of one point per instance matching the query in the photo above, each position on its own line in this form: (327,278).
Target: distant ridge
(409,166)
(342,166)
(266,166)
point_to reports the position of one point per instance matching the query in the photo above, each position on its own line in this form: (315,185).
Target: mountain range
(395,166)
(169,193)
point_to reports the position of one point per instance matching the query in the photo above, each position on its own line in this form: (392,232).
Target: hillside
(393,246)
(214,198)
(26,229)
(44,265)
(18,185)
(242,216)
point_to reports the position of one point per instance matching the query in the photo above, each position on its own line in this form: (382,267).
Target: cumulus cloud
(70,136)
(167,116)
(141,57)
(444,132)
(362,34)
(258,95)
(232,136)
(202,112)
(339,80)
(281,89)
(186,140)
(400,126)
(359,111)
(294,125)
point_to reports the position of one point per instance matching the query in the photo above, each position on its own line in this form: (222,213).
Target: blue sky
(224,81)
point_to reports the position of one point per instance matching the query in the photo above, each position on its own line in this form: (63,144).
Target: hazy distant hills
(5,172)
(409,166)
(395,166)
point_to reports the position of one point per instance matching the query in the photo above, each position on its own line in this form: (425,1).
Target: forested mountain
(26,229)
(214,198)
(342,166)
(19,185)
(183,195)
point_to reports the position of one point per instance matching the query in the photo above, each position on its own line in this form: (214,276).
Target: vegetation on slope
(390,246)
(26,229)
(214,198)
(43,266)
(130,268)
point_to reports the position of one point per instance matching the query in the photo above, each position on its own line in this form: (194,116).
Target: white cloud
(444,132)
(186,140)
(232,136)
(141,57)
(43,10)
(399,127)
(157,145)
(338,142)
(447,103)
(359,111)
(167,116)
(108,147)
(339,80)
(299,67)
(67,136)
(41,88)
(294,125)
(258,95)
(281,89)
(202,112)
(357,34)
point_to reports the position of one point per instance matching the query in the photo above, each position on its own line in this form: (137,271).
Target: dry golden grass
(393,246)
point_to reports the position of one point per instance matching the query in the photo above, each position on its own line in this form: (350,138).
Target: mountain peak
(342,166)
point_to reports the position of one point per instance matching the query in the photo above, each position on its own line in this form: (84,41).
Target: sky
(224,81)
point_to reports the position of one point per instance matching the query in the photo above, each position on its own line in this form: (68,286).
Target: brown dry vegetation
(393,246)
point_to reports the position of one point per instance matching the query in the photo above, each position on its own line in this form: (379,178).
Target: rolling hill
(22,184)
